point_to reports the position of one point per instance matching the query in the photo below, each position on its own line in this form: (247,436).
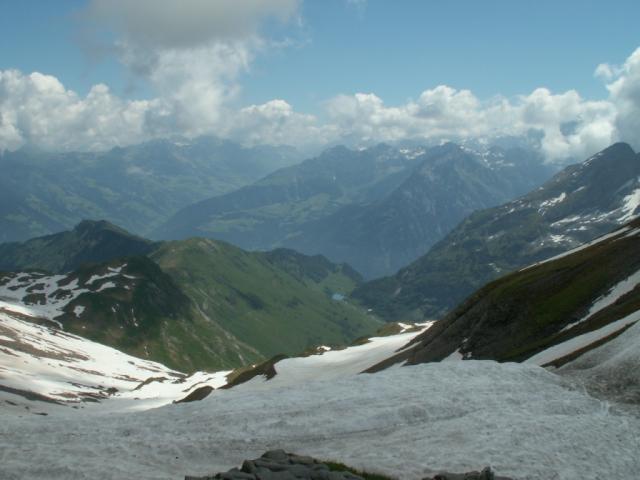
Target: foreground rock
(486,474)
(279,465)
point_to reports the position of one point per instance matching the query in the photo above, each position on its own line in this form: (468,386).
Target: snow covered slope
(42,366)
(611,370)
(335,364)
(48,296)
(522,420)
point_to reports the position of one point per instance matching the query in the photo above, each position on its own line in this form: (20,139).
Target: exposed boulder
(280,465)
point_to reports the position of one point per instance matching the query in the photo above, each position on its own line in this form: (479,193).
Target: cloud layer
(192,56)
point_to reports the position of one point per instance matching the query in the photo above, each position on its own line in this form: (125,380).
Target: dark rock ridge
(280,465)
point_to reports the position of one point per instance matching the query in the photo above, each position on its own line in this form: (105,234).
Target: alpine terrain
(137,187)
(579,204)
(319,240)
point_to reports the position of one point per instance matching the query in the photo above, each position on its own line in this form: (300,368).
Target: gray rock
(279,465)
(277,455)
(485,474)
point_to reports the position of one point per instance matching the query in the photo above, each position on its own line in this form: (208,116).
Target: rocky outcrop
(197,395)
(280,465)
(485,474)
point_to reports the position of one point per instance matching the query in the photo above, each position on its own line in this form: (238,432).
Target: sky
(93,74)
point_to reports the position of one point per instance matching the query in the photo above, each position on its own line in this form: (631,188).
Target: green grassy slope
(253,298)
(523,313)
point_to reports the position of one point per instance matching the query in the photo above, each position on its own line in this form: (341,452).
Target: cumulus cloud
(624,93)
(276,122)
(568,125)
(36,109)
(190,52)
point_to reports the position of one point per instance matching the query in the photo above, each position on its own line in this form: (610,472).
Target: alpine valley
(507,348)
(376,209)
(191,304)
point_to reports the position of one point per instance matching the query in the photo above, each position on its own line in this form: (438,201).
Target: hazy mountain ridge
(449,183)
(137,187)
(579,204)
(273,208)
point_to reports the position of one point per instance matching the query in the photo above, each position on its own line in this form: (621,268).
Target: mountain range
(580,203)
(137,187)
(376,209)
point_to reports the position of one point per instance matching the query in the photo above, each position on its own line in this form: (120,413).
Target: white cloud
(276,122)
(38,110)
(569,125)
(624,93)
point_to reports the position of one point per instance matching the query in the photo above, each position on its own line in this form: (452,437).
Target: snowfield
(522,420)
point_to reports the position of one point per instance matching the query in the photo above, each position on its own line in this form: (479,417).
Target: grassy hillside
(526,312)
(254,298)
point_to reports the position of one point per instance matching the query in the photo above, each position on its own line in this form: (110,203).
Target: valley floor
(523,420)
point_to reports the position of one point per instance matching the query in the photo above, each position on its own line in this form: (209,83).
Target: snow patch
(581,341)
(608,299)
(553,201)
(581,247)
(106,286)
(630,204)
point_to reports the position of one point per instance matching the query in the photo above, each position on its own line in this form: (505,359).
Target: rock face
(280,465)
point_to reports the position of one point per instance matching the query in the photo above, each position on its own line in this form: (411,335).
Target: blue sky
(393,48)
(309,53)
